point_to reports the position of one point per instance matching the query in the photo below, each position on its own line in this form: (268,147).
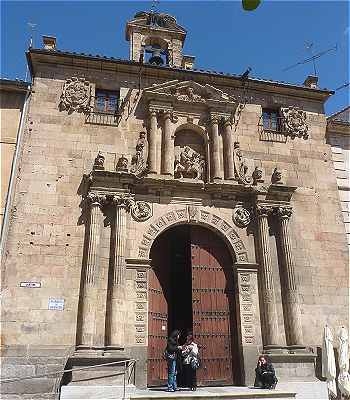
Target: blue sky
(221,35)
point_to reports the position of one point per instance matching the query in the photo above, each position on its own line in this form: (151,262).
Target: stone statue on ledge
(139,160)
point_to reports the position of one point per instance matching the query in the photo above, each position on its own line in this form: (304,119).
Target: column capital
(153,111)
(96,199)
(283,212)
(263,210)
(123,201)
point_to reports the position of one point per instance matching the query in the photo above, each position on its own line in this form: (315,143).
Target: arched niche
(191,153)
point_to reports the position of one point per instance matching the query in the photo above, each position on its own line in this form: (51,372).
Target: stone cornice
(36,57)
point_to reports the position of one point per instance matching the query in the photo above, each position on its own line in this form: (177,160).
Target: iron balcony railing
(272,131)
(108,117)
(128,372)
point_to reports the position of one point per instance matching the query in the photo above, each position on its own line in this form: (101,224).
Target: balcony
(272,130)
(108,116)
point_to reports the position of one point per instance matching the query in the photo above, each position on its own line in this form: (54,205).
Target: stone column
(116,317)
(215,149)
(228,150)
(168,155)
(91,327)
(152,149)
(266,279)
(290,293)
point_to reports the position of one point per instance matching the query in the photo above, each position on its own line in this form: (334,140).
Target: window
(271,120)
(106,101)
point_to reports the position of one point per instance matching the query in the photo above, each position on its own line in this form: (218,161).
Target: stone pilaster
(116,298)
(290,293)
(249,317)
(228,150)
(269,311)
(92,331)
(152,149)
(217,172)
(168,154)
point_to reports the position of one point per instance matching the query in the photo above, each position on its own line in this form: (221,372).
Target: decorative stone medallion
(241,217)
(141,211)
(76,95)
(295,122)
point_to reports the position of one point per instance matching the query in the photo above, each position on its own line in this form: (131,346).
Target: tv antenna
(154,5)
(346,84)
(32,32)
(313,57)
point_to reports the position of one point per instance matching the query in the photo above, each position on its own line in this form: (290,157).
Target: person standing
(190,361)
(265,376)
(172,355)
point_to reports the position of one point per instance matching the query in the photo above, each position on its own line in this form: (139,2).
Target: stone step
(73,392)
(86,392)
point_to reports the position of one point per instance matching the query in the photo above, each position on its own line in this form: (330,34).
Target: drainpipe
(14,171)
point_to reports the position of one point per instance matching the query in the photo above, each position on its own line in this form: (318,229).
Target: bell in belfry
(156,57)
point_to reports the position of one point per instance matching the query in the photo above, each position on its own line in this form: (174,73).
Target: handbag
(195,363)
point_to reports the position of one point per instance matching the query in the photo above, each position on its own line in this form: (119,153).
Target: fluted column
(91,331)
(168,154)
(290,293)
(152,150)
(266,279)
(228,150)
(116,306)
(215,149)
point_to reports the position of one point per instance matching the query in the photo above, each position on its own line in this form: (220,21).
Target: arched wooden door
(213,307)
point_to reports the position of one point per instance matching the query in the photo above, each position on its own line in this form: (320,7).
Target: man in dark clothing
(265,376)
(173,356)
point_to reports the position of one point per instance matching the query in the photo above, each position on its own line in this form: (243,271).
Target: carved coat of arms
(76,95)
(295,122)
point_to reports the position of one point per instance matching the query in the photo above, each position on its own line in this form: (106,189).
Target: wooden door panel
(211,291)
(157,319)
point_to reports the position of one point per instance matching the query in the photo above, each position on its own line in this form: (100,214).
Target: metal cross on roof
(154,5)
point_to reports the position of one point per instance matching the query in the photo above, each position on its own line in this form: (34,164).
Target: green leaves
(250,5)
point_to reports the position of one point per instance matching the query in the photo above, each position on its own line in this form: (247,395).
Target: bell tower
(156,38)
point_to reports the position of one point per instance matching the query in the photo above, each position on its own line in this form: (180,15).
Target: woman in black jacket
(173,354)
(265,376)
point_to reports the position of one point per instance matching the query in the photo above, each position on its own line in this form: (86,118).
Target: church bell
(156,57)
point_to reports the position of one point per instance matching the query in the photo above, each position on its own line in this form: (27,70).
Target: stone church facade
(133,168)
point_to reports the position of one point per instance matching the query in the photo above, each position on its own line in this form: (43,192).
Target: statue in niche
(139,160)
(240,166)
(189,164)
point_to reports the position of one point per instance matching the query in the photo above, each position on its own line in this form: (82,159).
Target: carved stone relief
(76,95)
(186,215)
(189,164)
(241,166)
(141,211)
(241,217)
(188,94)
(295,122)
(99,162)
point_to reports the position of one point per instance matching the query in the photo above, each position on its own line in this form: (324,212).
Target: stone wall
(47,231)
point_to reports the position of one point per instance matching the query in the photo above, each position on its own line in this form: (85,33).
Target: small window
(271,120)
(107,101)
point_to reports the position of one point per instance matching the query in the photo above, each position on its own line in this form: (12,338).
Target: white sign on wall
(56,304)
(30,284)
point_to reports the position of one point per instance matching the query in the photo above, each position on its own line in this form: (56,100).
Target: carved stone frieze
(241,217)
(295,123)
(141,211)
(76,95)
(189,164)
(139,160)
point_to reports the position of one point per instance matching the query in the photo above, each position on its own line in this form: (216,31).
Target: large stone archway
(194,215)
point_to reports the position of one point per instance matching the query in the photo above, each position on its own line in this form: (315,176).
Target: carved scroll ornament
(75,95)
(295,122)
(188,94)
